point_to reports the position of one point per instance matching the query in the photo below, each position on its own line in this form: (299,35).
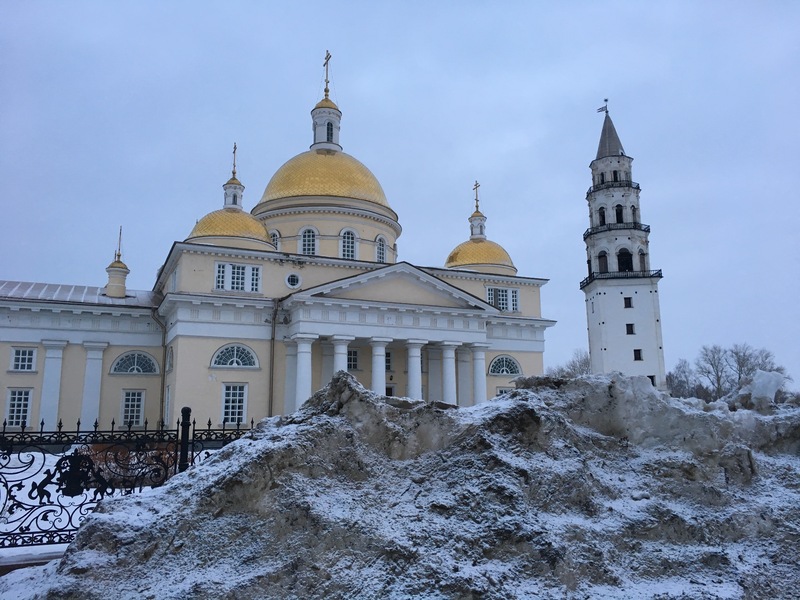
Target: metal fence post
(183,460)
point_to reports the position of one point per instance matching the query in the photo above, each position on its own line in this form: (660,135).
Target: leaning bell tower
(622,307)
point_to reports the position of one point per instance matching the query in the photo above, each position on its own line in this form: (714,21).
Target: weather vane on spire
(325,64)
(234,159)
(604,108)
(475,187)
(118,253)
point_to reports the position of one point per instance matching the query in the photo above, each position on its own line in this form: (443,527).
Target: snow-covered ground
(599,487)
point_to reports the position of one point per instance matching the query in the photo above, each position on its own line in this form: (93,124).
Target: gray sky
(124,113)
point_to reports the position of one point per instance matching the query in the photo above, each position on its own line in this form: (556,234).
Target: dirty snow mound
(591,488)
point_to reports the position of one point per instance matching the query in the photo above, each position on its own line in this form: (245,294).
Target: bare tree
(578,365)
(712,365)
(682,381)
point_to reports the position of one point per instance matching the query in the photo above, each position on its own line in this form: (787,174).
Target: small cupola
(117,273)
(326,118)
(234,190)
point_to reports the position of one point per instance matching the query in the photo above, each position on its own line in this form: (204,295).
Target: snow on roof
(73,294)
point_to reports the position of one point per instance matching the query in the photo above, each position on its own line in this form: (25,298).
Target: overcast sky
(124,113)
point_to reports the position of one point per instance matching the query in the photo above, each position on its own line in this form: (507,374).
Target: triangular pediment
(398,284)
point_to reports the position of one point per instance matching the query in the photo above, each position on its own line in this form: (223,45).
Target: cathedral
(256,309)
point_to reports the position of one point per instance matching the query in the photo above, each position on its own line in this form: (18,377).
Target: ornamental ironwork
(51,480)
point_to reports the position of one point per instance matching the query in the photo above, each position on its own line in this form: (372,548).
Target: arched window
(602,262)
(602,215)
(380,250)
(329,131)
(634,216)
(504,365)
(308,242)
(135,363)
(235,199)
(642,261)
(234,355)
(624,260)
(348,245)
(602,178)
(616,175)
(619,213)
(275,238)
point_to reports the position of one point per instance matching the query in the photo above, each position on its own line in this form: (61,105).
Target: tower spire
(118,253)
(609,140)
(475,187)
(234,160)
(325,64)
(477,220)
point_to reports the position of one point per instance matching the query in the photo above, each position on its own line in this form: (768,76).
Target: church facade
(255,310)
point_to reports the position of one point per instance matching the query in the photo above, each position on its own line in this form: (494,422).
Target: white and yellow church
(253,311)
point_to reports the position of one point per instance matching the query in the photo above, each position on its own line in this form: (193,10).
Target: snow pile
(591,488)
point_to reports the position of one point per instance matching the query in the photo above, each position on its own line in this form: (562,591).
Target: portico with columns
(435,352)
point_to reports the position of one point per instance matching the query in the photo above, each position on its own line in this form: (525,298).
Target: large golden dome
(324,173)
(476,252)
(229,222)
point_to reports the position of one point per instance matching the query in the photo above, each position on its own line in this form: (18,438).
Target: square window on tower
(637,354)
(628,301)
(629,329)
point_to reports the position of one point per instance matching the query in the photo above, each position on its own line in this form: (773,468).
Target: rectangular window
(628,302)
(132,407)
(629,329)
(19,402)
(237,278)
(352,360)
(504,299)
(24,359)
(255,279)
(637,354)
(233,401)
(388,361)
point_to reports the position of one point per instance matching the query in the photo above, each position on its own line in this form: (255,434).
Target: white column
(479,373)
(379,364)
(434,374)
(414,351)
(290,377)
(327,363)
(464,374)
(303,386)
(449,372)
(340,343)
(51,382)
(92,377)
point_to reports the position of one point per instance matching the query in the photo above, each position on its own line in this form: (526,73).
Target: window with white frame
(237,278)
(23,359)
(308,241)
(348,245)
(504,299)
(19,402)
(380,250)
(352,359)
(504,365)
(275,238)
(234,397)
(132,407)
(388,357)
(135,363)
(234,355)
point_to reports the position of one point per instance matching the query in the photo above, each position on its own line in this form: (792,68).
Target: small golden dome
(233,181)
(326,103)
(229,222)
(324,173)
(478,252)
(117,264)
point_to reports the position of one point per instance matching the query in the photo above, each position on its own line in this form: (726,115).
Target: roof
(74,294)
(609,140)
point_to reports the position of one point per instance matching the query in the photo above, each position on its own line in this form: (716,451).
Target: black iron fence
(50,480)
